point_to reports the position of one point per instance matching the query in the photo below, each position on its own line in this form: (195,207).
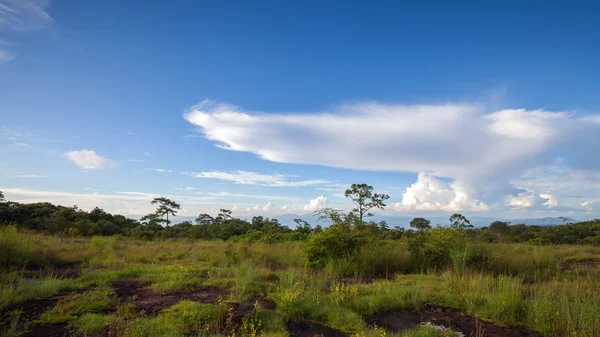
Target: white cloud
(253,209)
(551,201)
(532,200)
(88,159)
(6,56)
(253,178)
(447,140)
(127,203)
(30,176)
(429,193)
(482,150)
(313,205)
(24,15)
(317,204)
(163,170)
(254,196)
(591,205)
(184,188)
(337,189)
(21,16)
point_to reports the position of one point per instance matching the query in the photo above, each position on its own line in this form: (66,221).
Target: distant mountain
(543,221)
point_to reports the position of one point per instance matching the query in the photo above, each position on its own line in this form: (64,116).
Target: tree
(166,206)
(363,197)
(458,221)
(2,197)
(420,224)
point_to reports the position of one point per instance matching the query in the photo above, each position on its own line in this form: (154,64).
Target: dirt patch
(301,328)
(450,318)
(71,270)
(48,330)
(31,311)
(152,302)
(574,265)
(263,302)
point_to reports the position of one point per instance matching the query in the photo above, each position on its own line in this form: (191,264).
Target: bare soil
(152,302)
(31,311)
(300,328)
(450,318)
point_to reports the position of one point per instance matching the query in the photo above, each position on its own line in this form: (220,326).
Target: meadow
(55,285)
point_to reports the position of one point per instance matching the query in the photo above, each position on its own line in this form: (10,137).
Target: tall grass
(17,250)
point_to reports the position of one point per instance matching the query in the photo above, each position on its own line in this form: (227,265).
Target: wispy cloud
(30,176)
(187,189)
(89,159)
(15,137)
(21,16)
(252,196)
(253,178)
(159,170)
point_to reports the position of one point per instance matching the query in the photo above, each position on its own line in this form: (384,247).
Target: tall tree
(420,224)
(2,197)
(458,221)
(363,197)
(166,206)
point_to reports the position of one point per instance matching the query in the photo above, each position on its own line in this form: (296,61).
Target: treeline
(63,220)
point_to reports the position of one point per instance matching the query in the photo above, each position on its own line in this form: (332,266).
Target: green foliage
(420,224)
(69,308)
(333,242)
(364,199)
(166,206)
(93,324)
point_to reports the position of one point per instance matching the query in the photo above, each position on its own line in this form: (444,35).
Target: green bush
(333,242)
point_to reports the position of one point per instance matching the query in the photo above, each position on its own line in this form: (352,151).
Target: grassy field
(115,286)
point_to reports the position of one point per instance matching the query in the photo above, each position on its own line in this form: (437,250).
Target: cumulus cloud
(313,205)
(481,151)
(532,200)
(429,193)
(253,178)
(89,159)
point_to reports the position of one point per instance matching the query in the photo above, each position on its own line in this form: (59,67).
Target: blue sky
(275,108)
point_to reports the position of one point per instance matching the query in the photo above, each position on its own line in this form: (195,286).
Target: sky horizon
(273,109)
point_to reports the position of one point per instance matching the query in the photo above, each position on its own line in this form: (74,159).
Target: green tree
(458,221)
(2,197)
(166,206)
(420,224)
(363,197)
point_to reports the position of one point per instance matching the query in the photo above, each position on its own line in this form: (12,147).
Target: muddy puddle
(449,318)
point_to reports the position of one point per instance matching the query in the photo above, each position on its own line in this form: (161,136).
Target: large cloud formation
(464,142)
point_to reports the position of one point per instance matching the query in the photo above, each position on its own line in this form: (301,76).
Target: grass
(91,324)
(69,308)
(15,289)
(503,283)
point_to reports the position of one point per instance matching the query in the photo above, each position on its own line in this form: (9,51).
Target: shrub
(333,242)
